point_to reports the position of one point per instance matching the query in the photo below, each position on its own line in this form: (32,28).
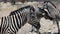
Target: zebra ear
(32,8)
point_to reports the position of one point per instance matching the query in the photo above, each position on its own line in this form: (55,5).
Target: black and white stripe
(4,24)
(11,24)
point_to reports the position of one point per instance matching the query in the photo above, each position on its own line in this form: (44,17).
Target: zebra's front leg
(35,28)
(56,21)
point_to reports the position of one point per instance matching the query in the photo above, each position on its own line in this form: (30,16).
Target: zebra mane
(21,9)
(50,2)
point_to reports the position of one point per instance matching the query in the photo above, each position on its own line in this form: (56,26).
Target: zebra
(18,18)
(52,12)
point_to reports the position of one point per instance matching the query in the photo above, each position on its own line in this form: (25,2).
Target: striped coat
(12,23)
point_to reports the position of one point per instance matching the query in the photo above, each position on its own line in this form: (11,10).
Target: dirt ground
(46,25)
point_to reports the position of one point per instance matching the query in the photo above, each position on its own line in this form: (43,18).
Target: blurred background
(7,6)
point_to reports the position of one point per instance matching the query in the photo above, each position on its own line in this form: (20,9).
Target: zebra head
(49,7)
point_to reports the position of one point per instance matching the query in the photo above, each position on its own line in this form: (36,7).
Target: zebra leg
(56,21)
(35,30)
(36,27)
(58,27)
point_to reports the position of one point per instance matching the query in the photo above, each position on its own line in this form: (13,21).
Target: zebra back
(21,10)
